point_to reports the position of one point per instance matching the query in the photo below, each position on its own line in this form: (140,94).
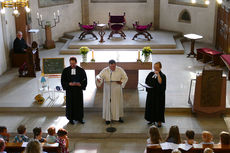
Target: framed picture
(118,1)
(199,3)
(48,3)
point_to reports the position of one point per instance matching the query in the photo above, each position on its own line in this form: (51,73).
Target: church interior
(187,36)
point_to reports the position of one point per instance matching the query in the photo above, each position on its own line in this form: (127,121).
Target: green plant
(146,51)
(84,50)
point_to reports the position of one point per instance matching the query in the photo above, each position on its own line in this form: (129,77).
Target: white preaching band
(114,78)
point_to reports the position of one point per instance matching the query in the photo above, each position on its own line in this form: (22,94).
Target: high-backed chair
(142,30)
(116,24)
(87,29)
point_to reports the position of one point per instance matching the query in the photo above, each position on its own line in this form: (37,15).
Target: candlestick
(54,15)
(138,55)
(92,54)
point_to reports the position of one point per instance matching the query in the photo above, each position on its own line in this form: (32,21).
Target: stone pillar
(85,11)
(156,18)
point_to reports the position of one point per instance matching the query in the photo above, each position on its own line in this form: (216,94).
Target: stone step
(63,39)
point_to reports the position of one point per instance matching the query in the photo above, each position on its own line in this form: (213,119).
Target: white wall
(7,32)
(70,16)
(202,19)
(142,12)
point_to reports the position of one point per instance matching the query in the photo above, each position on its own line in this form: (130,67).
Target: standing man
(155,101)
(114,79)
(74,81)
(20,45)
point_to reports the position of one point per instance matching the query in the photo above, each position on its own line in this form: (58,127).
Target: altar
(126,60)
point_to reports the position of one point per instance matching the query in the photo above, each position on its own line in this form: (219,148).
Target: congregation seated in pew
(207,138)
(3,133)
(2,145)
(21,137)
(190,137)
(20,45)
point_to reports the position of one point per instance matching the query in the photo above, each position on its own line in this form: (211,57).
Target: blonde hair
(207,136)
(176,151)
(159,63)
(34,146)
(155,136)
(51,130)
(208,150)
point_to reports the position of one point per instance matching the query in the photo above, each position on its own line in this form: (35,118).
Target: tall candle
(92,54)
(41,17)
(54,15)
(37,15)
(139,54)
(58,12)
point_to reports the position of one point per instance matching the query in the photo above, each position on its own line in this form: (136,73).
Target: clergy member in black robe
(155,101)
(20,45)
(74,81)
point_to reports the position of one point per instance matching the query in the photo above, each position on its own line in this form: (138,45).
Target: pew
(17,147)
(216,147)
(208,54)
(226,61)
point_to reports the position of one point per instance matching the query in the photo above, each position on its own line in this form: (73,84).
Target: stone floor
(17,107)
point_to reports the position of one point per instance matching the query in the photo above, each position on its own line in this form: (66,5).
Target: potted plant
(146,51)
(84,51)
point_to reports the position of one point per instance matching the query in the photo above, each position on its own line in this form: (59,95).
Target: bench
(17,147)
(208,54)
(226,61)
(216,147)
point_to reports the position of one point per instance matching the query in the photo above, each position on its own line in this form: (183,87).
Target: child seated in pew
(208,150)
(190,137)
(176,151)
(3,133)
(174,135)
(34,146)
(51,138)
(224,138)
(207,138)
(38,134)
(155,137)
(21,137)
(63,140)
(2,145)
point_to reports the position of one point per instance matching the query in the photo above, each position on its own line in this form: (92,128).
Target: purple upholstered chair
(116,24)
(87,29)
(142,30)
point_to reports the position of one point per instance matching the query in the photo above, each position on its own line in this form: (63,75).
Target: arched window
(184,16)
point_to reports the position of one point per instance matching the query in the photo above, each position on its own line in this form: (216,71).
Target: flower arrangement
(146,51)
(84,50)
(39,99)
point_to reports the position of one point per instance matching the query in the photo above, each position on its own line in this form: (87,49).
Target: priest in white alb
(114,79)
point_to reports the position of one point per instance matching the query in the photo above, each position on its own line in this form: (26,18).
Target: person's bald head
(2,145)
(19,35)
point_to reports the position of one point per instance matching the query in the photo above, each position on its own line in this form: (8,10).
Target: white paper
(169,146)
(33,30)
(197,145)
(24,144)
(185,146)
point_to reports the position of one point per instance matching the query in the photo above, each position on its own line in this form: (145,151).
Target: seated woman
(207,138)
(190,137)
(174,135)
(155,137)
(224,138)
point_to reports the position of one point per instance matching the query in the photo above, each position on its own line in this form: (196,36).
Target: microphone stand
(111,128)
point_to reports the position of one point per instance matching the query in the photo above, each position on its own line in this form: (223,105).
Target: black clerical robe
(20,45)
(74,94)
(155,101)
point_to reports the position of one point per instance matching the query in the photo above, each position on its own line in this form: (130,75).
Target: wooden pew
(216,147)
(226,60)
(17,147)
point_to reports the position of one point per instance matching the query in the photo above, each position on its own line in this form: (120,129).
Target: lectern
(210,92)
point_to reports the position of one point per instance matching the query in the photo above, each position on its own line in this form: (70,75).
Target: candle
(138,55)
(37,15)
(41,17)
(58,12)
(54,15)
(92,54)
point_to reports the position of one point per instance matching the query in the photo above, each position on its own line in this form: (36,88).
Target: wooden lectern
(210,92)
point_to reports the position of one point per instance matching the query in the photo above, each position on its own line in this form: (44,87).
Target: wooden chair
(142,30)
(116,24)
(87,29)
